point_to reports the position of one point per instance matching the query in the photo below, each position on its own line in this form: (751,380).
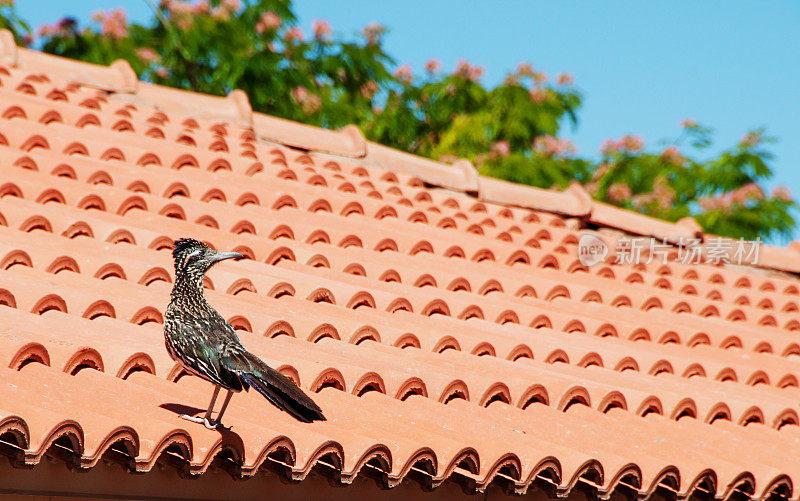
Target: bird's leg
(205,420)
(224,406)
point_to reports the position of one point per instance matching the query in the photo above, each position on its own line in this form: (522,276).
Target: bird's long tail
(279,390)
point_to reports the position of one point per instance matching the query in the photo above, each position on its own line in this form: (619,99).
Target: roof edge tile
(640,224)
(129,78)
(119,77)
(230,108)
(355,135)
(344,142)
(570,202)
(460,176)
(779,258)
(242,102)
(691,224)
(583,196)
(8,49)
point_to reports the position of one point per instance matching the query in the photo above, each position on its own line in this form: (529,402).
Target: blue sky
(642,66)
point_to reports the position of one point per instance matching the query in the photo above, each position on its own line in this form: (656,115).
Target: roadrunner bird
(206,345)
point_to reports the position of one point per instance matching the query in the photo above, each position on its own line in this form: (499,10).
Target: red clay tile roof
(441,318)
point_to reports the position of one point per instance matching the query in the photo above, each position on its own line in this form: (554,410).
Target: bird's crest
(185,245)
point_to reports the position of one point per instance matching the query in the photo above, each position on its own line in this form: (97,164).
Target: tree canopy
(510,131)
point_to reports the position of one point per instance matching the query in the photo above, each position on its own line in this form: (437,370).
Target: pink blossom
(721,202)
(631,143)
(113,24)
(268,21)
(45,30)
(565,79)
(609,147)
(293,34)
(178,8)
(404,74)
(433,66)
(373,33)
(202,7)
(468,71)
(737,196)
(707,203)
(539,95)
(369,89)
(299,93)
(322,29)
(601,171)
(525,70)
(592,188)
(619,192)
(781,193)
(501,148)
(552,146)
(309,103)
(313,104)
(750,191)
(751,139)
(511,80)
(232,5)
(162,72)
(118,15)
(663,193)
(641,200)
(147,55)
(221,14)
(271,20)
(672,154)
(688,123)
(27,39)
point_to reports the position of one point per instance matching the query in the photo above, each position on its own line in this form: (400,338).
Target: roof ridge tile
(460,176)
(641,224)
(347,142)
(569,202)
(9,55)
(118,77)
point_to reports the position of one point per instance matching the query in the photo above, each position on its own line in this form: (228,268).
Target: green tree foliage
(509,131)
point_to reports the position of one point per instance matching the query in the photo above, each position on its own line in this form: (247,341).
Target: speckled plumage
(206,345)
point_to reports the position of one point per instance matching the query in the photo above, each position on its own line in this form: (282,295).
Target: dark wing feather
(274,386)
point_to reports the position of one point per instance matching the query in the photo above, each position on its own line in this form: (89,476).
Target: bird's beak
(221,256)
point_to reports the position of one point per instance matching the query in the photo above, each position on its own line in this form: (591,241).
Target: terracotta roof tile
(442,319)
(639,224)
(570,203)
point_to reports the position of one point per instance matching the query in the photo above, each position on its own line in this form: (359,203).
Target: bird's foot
(211,425)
